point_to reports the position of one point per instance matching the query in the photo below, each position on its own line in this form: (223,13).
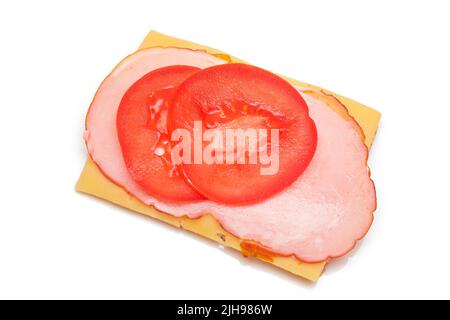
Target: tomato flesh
(240,96)
(143,136)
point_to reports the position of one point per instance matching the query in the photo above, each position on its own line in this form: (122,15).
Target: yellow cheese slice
(93,182)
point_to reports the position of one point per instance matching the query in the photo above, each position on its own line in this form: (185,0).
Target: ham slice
(320,216)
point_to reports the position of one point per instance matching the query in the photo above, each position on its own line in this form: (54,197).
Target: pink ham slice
(320,216)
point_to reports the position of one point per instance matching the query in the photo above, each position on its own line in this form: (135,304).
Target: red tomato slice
(240,96)
(143,136)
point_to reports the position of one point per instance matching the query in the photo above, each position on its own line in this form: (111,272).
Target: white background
(55,243)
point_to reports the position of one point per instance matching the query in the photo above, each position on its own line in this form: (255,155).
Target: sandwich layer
(92,182)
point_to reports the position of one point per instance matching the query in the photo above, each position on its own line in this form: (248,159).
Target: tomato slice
(240,96)
(142,132)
